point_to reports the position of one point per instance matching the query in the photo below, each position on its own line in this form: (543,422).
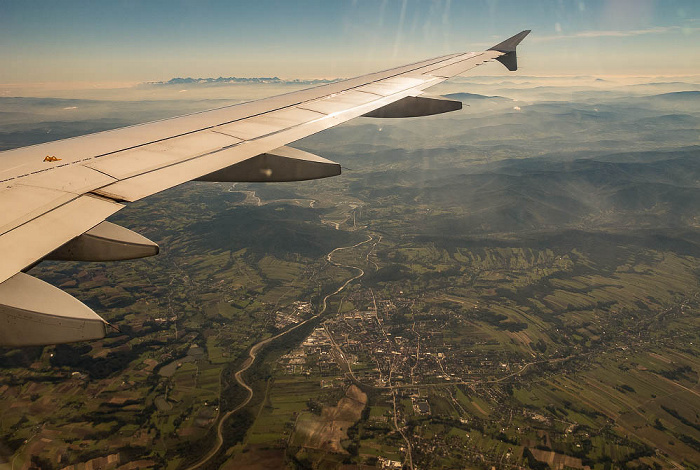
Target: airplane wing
(55,197)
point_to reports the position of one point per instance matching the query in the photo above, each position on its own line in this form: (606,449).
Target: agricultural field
(506,293)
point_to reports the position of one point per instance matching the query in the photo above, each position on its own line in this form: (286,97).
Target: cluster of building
(293,314)
(388,463)
(313,356)
(421,354)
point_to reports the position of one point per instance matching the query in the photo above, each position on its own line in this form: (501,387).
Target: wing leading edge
(55,197)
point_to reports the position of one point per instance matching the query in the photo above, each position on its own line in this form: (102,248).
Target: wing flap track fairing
(415,106)
(282,164)
(105,242)
(34,313)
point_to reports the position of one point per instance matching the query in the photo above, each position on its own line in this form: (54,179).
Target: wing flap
(168,152)
(74,179)
(20,204)
(133,162)
(44,191)
(340,102)
(392,85)
(31,241)
(268,123)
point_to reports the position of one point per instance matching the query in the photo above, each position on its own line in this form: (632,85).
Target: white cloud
(617,34)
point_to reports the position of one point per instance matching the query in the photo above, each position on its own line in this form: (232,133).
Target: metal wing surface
(55,197)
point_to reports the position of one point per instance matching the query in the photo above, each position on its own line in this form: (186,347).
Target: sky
(151,40)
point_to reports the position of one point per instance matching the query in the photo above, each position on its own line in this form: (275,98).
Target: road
(253,352)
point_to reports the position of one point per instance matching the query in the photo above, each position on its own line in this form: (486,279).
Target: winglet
(508,47)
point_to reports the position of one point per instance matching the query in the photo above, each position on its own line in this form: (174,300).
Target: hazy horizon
(538,246)
(127,41)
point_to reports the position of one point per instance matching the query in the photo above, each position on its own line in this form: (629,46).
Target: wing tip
(508,48)
(510,44)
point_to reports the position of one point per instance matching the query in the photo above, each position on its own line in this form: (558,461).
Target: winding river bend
(253,352)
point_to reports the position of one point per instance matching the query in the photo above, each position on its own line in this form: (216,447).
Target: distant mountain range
(642,190)
(229,80)
(679,95)
(474,97)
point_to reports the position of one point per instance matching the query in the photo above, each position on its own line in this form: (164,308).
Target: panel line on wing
(292,105)
(139,186)
(107,137)
(45,201)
